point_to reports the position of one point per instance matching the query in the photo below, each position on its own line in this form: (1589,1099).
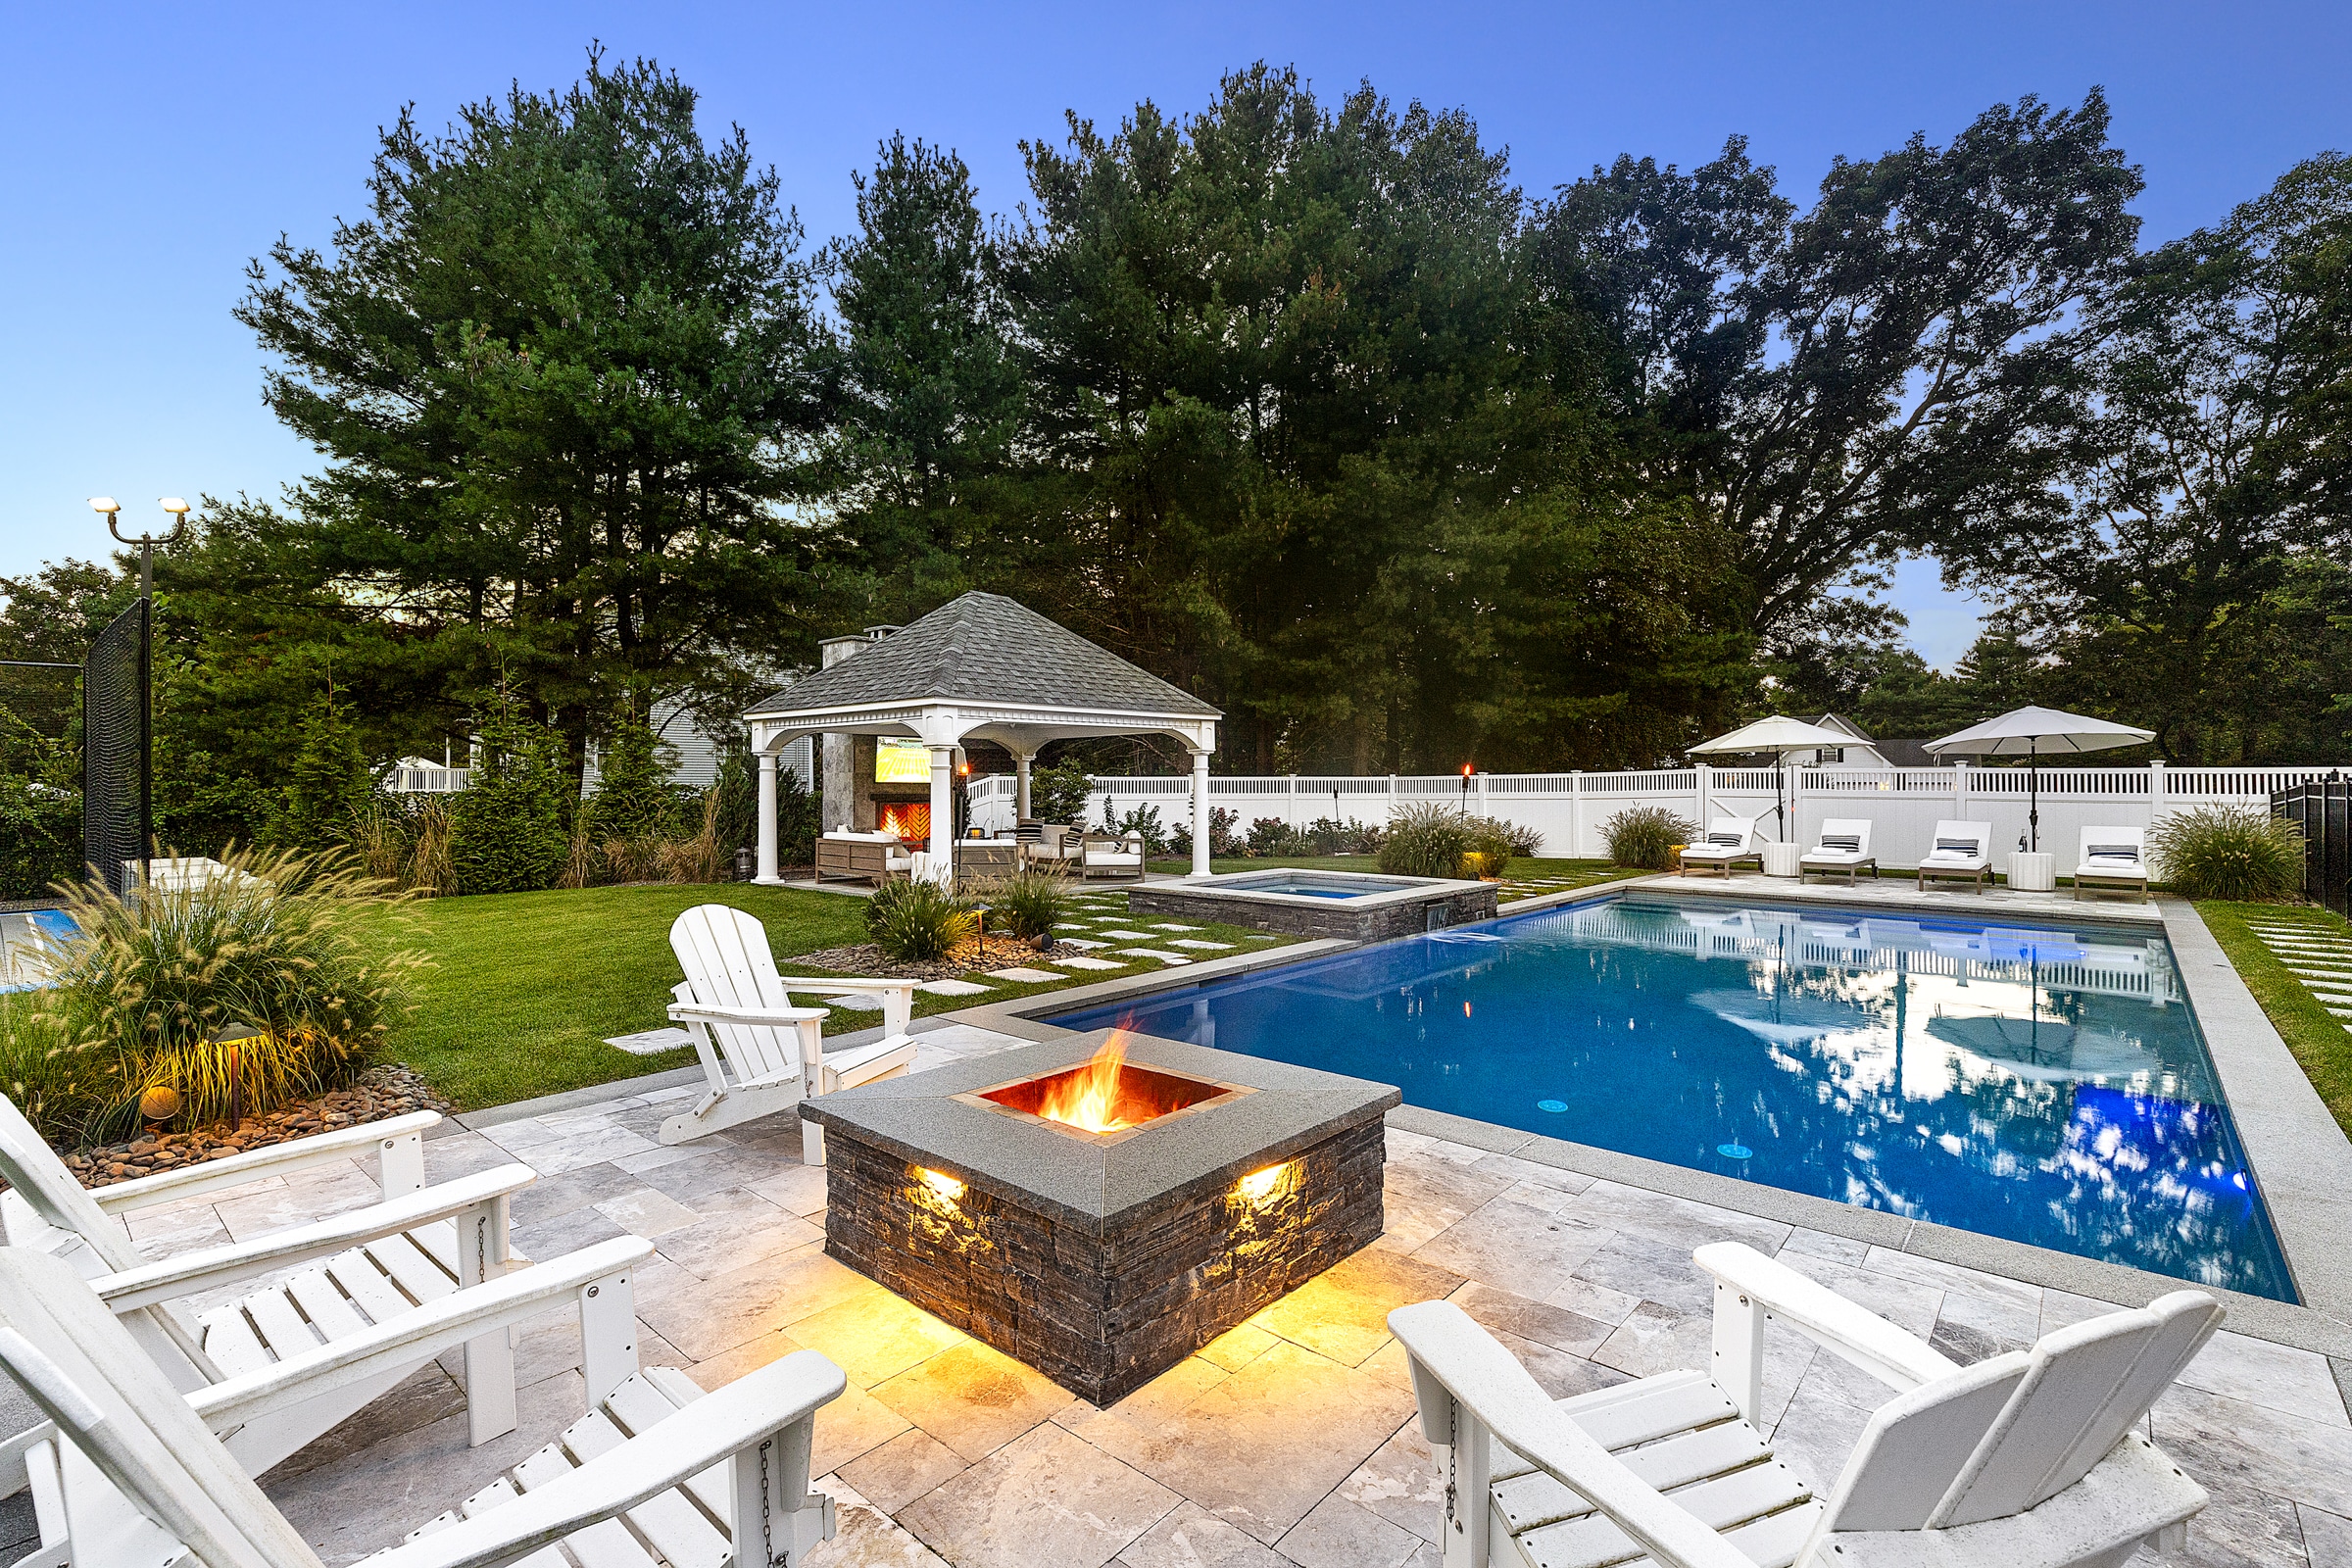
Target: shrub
(1491,843)
(1029,901)
(918,921)
(2228,851)
(152,977)
(1143,821)
(40,836)
(1058,793)
(697,857)
(507,825)
(1426,840)
(1643,837)
(1330,836)
(1271,835)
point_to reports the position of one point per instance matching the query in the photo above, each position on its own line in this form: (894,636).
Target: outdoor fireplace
(908,820)
(1102,1206)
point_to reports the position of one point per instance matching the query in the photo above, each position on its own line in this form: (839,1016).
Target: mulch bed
(866,960)
(379,1092)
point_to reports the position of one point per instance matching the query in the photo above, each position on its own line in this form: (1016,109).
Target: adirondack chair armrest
(1750,1288)
(735,1422)
(847,986)
(279,1160)
(1455,1360)
(428,1329)
(698,1013)
(209,1266)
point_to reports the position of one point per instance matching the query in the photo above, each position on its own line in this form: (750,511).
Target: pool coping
(2310,1200)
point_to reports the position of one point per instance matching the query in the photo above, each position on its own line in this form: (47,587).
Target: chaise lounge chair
(124,1473)
(1731,841)
(1962,850)
(759,1053)
(2114,858)
(1845,847)
(2028,1459)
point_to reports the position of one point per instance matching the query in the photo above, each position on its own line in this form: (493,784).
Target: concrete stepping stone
(858,1004)
(1084,963)
(1175,928)
(1023,977)
(1128,936)
(651,1042)
(1182,942)
(953,987)
(1082,943)
(1153,953)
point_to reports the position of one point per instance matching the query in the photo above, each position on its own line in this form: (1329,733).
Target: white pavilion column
(1020,785)
(1200,814)
(943,815)
(768,820)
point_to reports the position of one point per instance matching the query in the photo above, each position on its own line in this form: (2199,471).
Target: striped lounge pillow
(1727,841)
(1843,843)
(1967,846)
(2114,852)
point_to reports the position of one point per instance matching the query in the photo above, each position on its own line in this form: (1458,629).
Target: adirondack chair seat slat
(2029,1459)
(328,1309)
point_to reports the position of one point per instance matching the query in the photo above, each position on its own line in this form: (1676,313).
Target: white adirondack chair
(370,1267)
(125,1474)
(761,1054)
(2024,1460)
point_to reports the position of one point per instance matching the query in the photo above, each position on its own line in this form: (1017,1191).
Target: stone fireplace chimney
(845,771)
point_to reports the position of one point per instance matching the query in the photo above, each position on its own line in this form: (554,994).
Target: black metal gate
(117,812)
(2324,811)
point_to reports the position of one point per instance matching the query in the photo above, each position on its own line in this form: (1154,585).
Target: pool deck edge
(2302,1162)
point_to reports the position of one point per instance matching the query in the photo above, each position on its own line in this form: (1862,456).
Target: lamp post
(109,509)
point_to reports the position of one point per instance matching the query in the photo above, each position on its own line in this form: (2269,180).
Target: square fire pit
(1219,1184)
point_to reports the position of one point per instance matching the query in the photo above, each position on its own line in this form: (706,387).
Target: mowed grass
(525,988)
(2316,1036)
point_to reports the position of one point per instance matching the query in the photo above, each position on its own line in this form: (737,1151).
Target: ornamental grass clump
(1028,902)
(150,990)
(917,921)
(1643,838)
(1426,840)
(2239,853)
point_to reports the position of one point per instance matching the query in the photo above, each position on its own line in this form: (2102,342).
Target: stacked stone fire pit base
(1102,1259)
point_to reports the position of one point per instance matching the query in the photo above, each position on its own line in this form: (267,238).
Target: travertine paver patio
(1287,1440)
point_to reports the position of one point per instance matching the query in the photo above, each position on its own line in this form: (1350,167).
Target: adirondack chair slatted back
(41,1179)
(2008,1434)
(62,1346)
(724,954)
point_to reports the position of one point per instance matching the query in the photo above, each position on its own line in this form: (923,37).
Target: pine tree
(507,825)
(327,782)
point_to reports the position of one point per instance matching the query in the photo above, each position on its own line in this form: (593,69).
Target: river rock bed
(380,1093)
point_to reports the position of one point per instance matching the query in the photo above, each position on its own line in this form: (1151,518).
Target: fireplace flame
(1089,1098)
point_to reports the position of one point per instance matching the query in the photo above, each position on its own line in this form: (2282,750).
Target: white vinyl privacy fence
(1570,809)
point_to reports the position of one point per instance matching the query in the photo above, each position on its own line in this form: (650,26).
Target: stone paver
(1287,1443)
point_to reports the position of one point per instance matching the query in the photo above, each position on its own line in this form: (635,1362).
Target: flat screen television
(898,762)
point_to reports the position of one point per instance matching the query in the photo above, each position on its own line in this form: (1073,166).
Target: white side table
(2033,873)
(1781,860)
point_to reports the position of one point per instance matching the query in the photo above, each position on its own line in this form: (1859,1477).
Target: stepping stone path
(1128,936)
(953,987)
(2319,956)
(1023,977)
(1153,953)
(1080,943)
(1084,963)
(652,1042)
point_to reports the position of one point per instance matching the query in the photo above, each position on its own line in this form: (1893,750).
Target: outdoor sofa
(861,857)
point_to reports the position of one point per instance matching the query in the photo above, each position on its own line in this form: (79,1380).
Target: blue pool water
(18,933)
(2046,1086)
(1311,888)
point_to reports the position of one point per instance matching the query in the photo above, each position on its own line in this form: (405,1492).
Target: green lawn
(2317,1038)
(526,987)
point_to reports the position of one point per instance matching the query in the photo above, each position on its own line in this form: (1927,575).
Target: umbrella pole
(2033,792)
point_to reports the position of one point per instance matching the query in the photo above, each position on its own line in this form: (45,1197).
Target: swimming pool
(2046,1086)
(20,934)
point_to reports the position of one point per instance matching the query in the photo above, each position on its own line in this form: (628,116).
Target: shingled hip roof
(986,648)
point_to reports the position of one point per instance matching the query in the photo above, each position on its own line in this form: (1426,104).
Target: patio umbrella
(2027,732)
(1779,735)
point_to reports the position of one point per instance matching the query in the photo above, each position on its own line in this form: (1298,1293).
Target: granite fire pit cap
(1096,1185)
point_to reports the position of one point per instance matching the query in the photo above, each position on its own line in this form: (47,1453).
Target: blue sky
(150,150)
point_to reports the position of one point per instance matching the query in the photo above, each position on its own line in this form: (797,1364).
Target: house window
(1828,755)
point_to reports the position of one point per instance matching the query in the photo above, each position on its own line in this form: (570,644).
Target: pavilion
(979,667)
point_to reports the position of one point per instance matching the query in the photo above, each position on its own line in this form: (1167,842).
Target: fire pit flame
(1088,1097)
